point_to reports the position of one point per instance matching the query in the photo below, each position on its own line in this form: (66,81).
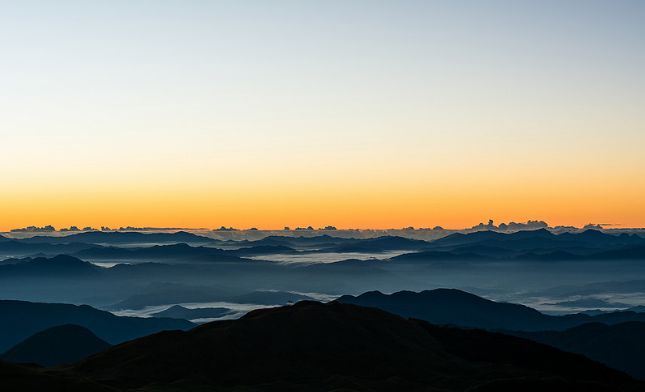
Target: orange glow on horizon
(406,114)
(363,206)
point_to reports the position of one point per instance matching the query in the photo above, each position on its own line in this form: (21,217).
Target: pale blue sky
(374,92)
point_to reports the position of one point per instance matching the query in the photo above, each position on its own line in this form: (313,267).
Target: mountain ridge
(56,346)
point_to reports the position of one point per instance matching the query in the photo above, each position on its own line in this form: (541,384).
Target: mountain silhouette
(530,245)
(20,378)
(56,346)
(122,237)
(620,346)
(321,347)
(456,307)
(58,266)
(21,319)
(533,243)
(21,248)
(180,252)
(457,239)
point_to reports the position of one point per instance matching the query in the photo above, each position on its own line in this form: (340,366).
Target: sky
(350,113)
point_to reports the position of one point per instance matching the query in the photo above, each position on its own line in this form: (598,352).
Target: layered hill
(620,346)
(456,307)
(60,266)
(320,347)
(21,319)
(180,252)
(15,377)
(122,237)
(56,346)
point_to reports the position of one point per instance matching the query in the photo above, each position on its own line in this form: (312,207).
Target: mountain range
(334,346)
(21,319)
(321,347)
(56,346)
(613,338)
(60,266)
(121,237)
(459,308)
(620,346)
(179,252)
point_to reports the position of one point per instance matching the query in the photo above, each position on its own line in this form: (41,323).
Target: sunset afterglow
(378,114)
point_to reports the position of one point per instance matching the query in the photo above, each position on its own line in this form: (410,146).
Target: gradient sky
(349,113)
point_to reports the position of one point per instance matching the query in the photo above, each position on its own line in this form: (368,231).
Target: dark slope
(56,346)
(456,307)
(620,346)
(22,319)
(123,237)
(16,378)
(450,307)
(320,347)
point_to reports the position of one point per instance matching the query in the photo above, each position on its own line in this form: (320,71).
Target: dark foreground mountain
(56,346)
(322,347)
(456,307)
(620,346)
(21,320)
(20,378)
